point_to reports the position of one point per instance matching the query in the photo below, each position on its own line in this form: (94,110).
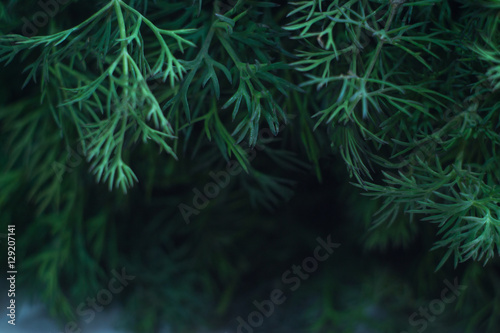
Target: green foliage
(403,93)
(114,100)
(390,113)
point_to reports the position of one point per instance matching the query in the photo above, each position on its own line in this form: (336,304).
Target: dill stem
(123,36)
(381,42)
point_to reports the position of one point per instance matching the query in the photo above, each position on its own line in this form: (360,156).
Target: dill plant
(404,92)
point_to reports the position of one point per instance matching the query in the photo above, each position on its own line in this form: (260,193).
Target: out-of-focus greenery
(113,111)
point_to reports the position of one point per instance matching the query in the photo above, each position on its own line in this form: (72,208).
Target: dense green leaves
(375,65)
(403,93)
(372,57)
